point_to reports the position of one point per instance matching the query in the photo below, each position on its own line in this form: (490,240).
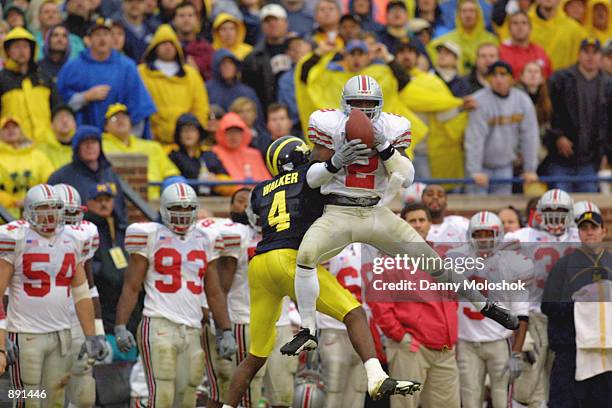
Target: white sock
(374,372)
(306,293)
(226,406)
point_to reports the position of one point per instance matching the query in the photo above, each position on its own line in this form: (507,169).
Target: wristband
(93,291)
(99,327)
(330,167)
(386,153)
(384,146)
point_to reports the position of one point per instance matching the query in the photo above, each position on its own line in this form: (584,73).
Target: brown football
(359,126)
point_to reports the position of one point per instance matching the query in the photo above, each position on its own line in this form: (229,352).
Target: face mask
(240,218)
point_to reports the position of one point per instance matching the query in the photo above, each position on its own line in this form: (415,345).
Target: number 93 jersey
(174,287)
(43,268)
(326,128)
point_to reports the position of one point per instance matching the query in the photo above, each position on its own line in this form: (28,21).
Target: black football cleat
(388,386)
(501,315)
(303,340)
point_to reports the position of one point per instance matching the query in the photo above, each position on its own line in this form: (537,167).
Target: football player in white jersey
(447,231)
(42,262)
(343,373)
(351,194)
(484,346)
(176,264)
(553,239)
(81,389)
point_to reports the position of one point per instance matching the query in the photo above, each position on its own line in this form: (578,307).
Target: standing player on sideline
(351,194)
(544,246)
(176,263)
(285,207)
(43,264)
(81,389)
(483,346)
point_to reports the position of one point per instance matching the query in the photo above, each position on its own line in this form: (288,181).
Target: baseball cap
(416,25)
(272,10)
(499,67)
(8,119)
(590,41)
(353,17)
(101,189)
(396,3)
(99,22)
(114,109)
(591,217)
(407,44)
(62,108)
(451,46)
(356,45)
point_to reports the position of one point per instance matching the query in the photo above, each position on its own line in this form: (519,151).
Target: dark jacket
(46,64)
(222,92)
(569,274)
(190,166)
(81,177)
(457,85)
(136,45)
(367,20)
(470,82)
(565,119)
(257,73)
(252,25)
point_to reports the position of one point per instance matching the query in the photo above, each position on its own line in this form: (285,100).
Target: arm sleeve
(232,241)
(475,138)
(8,244)
(317,132)
(77,101)
(530,137)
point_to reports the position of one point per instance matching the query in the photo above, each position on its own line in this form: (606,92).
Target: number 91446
(25,394)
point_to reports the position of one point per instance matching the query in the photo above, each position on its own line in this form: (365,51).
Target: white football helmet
(46,219)
(360,88)
(414,193)
(584,206)
(183,196)
(555,207)
(308,392)
(485,221)
(73,208)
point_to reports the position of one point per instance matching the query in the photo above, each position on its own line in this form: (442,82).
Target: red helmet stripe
(181,190)
(70,195)
(589,206)
(307,398)
(483,217)
(555,194)
(364,82)
(47,190)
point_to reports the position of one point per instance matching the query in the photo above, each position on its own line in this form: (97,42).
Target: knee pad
(82,390)
(163,394)
(30,368)
(163,358)
(307,254)
(196,368)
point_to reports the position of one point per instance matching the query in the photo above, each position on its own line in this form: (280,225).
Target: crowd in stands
(202,87)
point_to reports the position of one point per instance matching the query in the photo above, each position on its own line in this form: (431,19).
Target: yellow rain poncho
(240,49)
(428,95)
(324,88)
(602,35)
(468,42)
(560,36)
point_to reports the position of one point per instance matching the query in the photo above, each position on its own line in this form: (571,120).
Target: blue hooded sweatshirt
(83,178)
(119,72)
(222,92)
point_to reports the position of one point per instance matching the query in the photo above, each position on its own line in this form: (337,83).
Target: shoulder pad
(396,128)
(323,125)
(137,236)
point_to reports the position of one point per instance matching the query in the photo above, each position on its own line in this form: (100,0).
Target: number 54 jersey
(43,268)
(177,265)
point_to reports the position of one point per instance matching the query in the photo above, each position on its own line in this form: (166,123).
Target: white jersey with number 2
(174,287)
(326,128)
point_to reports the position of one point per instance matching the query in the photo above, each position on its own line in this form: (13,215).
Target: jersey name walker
(286,207)
(40,297)
(544,250)
(326,128)
(174,287)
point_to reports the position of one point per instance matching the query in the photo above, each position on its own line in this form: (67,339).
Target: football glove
(94,347)
(125,339)
(349,153)
(226,344)
(12,352)
(514,366)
